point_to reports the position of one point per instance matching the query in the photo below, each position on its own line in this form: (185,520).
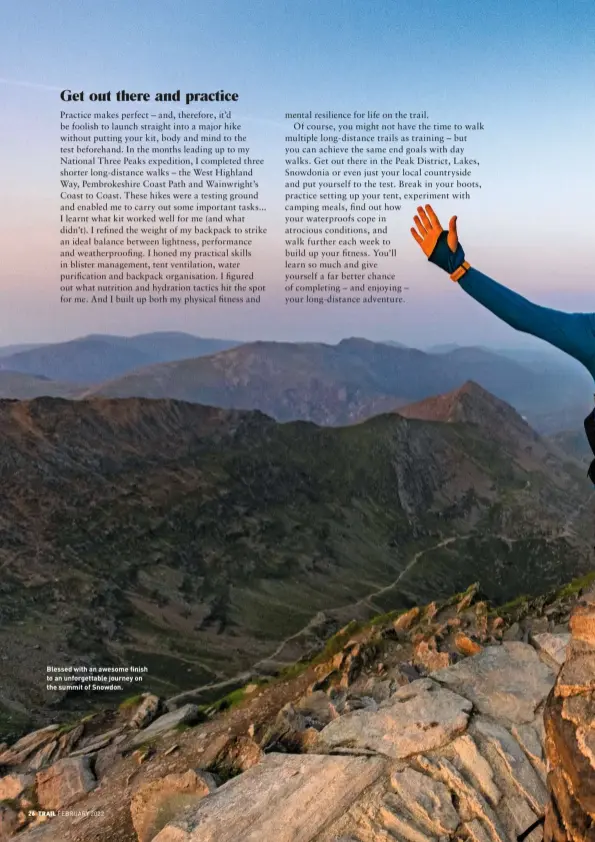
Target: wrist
(449,261)
(460,271)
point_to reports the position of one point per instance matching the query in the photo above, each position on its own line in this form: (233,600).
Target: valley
(208,544)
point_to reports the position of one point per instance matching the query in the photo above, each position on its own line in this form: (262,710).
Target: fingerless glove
(443,257)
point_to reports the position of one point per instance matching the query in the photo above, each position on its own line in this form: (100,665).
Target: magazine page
(296,399)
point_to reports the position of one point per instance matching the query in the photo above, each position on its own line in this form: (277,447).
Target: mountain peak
(470,404)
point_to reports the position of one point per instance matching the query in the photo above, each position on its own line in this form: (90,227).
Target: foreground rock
(448,755)
(64,783)
(9,821)
(570,735)
(230,756)
(423,765)
(285,798)
(12,786)
(419,717)
(156,803)
(507,682)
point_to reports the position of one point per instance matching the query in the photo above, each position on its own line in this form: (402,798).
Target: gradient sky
(525,69)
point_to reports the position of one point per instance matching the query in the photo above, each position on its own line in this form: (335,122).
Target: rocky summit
(451,721)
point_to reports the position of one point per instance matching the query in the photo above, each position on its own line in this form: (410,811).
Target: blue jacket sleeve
(570,332)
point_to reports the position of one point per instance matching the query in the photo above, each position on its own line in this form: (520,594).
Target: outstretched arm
(570,332)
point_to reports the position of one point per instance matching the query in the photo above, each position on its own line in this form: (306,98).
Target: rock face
(506,682)
(64,783)
(285,798)
(420,716)
(362,748)
(425,764)
(570,734)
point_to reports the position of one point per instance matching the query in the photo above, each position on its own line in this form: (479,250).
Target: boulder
(154,804)
(580,710)
(505,682)
(358,702)
(530,741)
(285,798)
(147,711)
(473,803)
(406,620)
(380,691)
(12,786)
(64,783)
(9,821)
(293,721)
(230,756)
(22,749)
(44,756)
(186,715)
(69,740)
(427,656)
(420,716)
(513,632)
(316,709)
(465,645)
(526,779)
(96,743)
(552,646)
(537,625)
(404,673)
(571,779)
(468,597)
(582,622)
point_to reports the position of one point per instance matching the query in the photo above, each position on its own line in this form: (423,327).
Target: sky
(524,69)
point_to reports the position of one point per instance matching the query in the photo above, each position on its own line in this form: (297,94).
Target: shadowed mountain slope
(196,541)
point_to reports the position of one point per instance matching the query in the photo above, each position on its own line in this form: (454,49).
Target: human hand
(429,230)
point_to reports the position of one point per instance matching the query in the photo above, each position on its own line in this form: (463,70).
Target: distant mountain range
(13,384)
(98,357)
(7,350)
(327,384)
(350,381)
(194,540)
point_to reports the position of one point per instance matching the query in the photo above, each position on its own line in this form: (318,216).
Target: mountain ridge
(198,539)
(97,357)
(329,384)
